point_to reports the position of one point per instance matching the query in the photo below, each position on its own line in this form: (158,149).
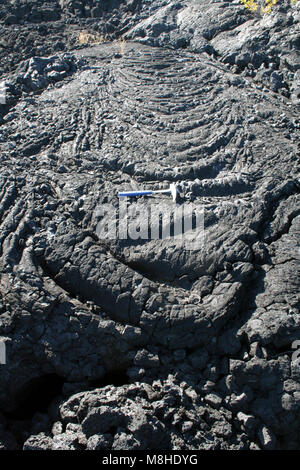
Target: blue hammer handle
(135,193)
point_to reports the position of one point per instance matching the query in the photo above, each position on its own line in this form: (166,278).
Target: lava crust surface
(149,343)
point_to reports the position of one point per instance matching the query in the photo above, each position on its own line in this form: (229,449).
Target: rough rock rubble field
(140,343)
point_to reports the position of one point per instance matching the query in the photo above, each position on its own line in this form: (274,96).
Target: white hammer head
(174,191)
(171,190)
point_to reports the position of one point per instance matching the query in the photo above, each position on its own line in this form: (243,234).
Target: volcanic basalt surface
(148,343)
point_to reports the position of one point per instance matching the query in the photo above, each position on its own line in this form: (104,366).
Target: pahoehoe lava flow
(149,343)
